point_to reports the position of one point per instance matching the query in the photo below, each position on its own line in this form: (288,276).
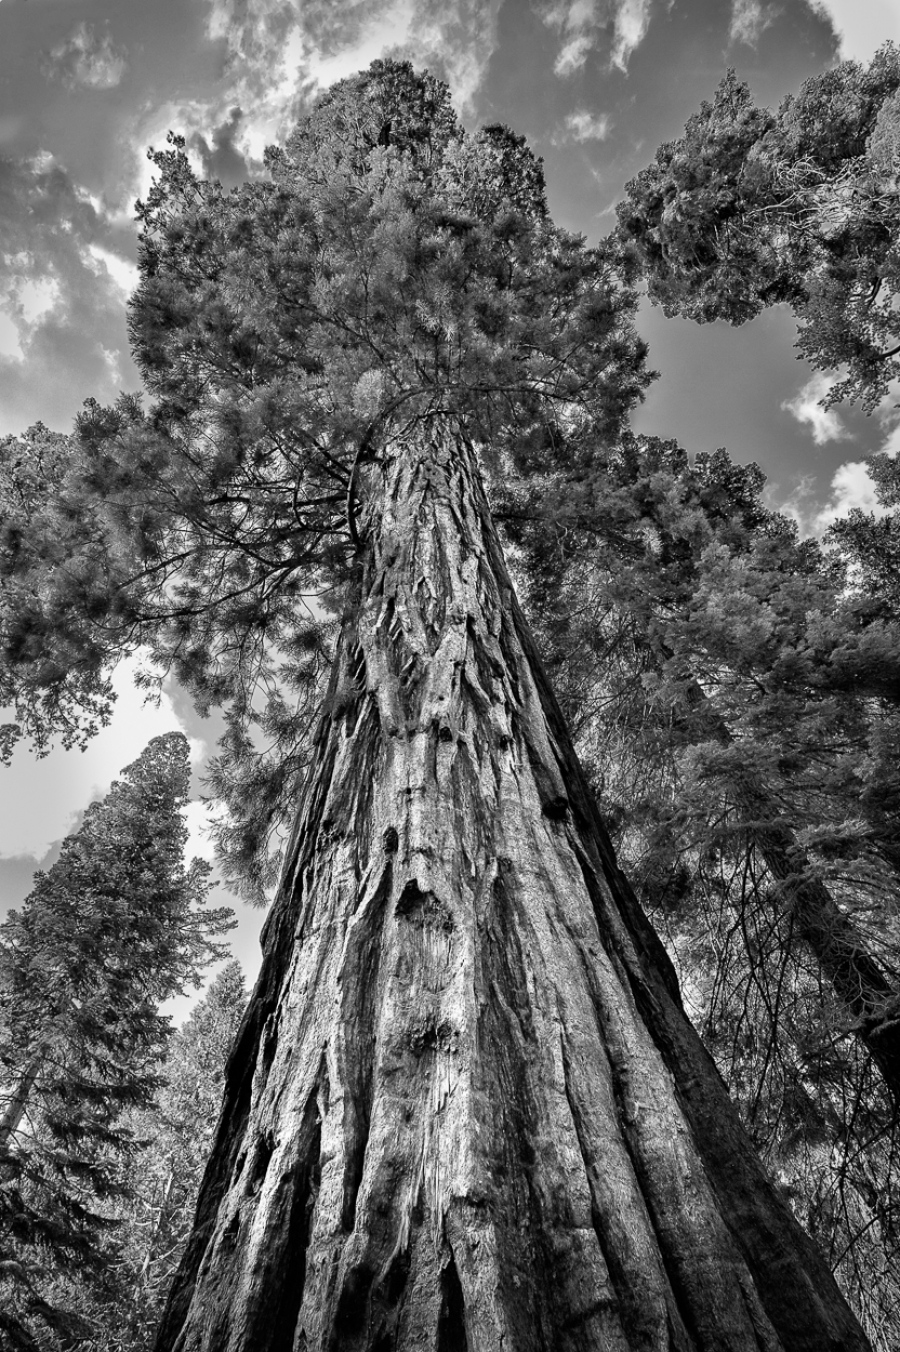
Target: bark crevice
(521,1143)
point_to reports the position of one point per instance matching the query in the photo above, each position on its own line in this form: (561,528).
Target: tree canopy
(389,267)
(751,208)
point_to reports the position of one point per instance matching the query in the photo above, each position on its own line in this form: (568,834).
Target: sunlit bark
(465,1109)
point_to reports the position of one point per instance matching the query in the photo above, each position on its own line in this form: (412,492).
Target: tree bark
(17,1103)
(465,1111)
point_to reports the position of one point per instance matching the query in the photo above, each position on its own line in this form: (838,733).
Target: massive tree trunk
(465,1109)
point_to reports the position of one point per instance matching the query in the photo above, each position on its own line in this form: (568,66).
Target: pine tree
(751,208)
(172,1138)
(465,1107)
(110,931)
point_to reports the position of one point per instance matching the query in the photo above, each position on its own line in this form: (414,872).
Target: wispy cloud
(824,423)
(850,487)
(891,445)
(861,25)
(585,126)
(87,59)
(279,54)
(122,271)
(630,29)
(888,416)
(749,20)
(62,278)
(584,25)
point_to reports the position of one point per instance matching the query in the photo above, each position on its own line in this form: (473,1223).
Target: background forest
(727,654)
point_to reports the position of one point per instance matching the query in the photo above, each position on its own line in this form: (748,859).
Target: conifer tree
(750,208)
(465,1107)
(115,927)
(172,1138)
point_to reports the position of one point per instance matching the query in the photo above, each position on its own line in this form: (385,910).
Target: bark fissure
(522,1144)
(360,985)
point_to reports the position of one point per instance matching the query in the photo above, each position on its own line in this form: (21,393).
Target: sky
(595,85)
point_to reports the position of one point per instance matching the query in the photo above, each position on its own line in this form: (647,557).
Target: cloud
(630,29)
(749,20)
(584,24)
(219,156)
(26,302)
(851,487)
(585,126)
(200,818)
(9,337)
(862,25)
(62,279)
(824,424)
(122,271)
(891,444)
(86,59)
(278,55)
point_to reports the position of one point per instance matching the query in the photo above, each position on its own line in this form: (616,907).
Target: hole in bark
(423,908)
(557,809)
(259,1163)
(427,1036)
(451,1330)
(391,840)
(411,897)
(269,1042)
(445,734)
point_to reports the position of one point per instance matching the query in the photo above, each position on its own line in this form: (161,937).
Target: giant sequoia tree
(465,1108)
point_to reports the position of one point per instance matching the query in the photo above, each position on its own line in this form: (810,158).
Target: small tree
(108,933)
(174,1136)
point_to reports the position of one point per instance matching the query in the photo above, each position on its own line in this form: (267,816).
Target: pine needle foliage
(391,267)
(737,700)
(750,208)
(115,927)
(172,1139)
